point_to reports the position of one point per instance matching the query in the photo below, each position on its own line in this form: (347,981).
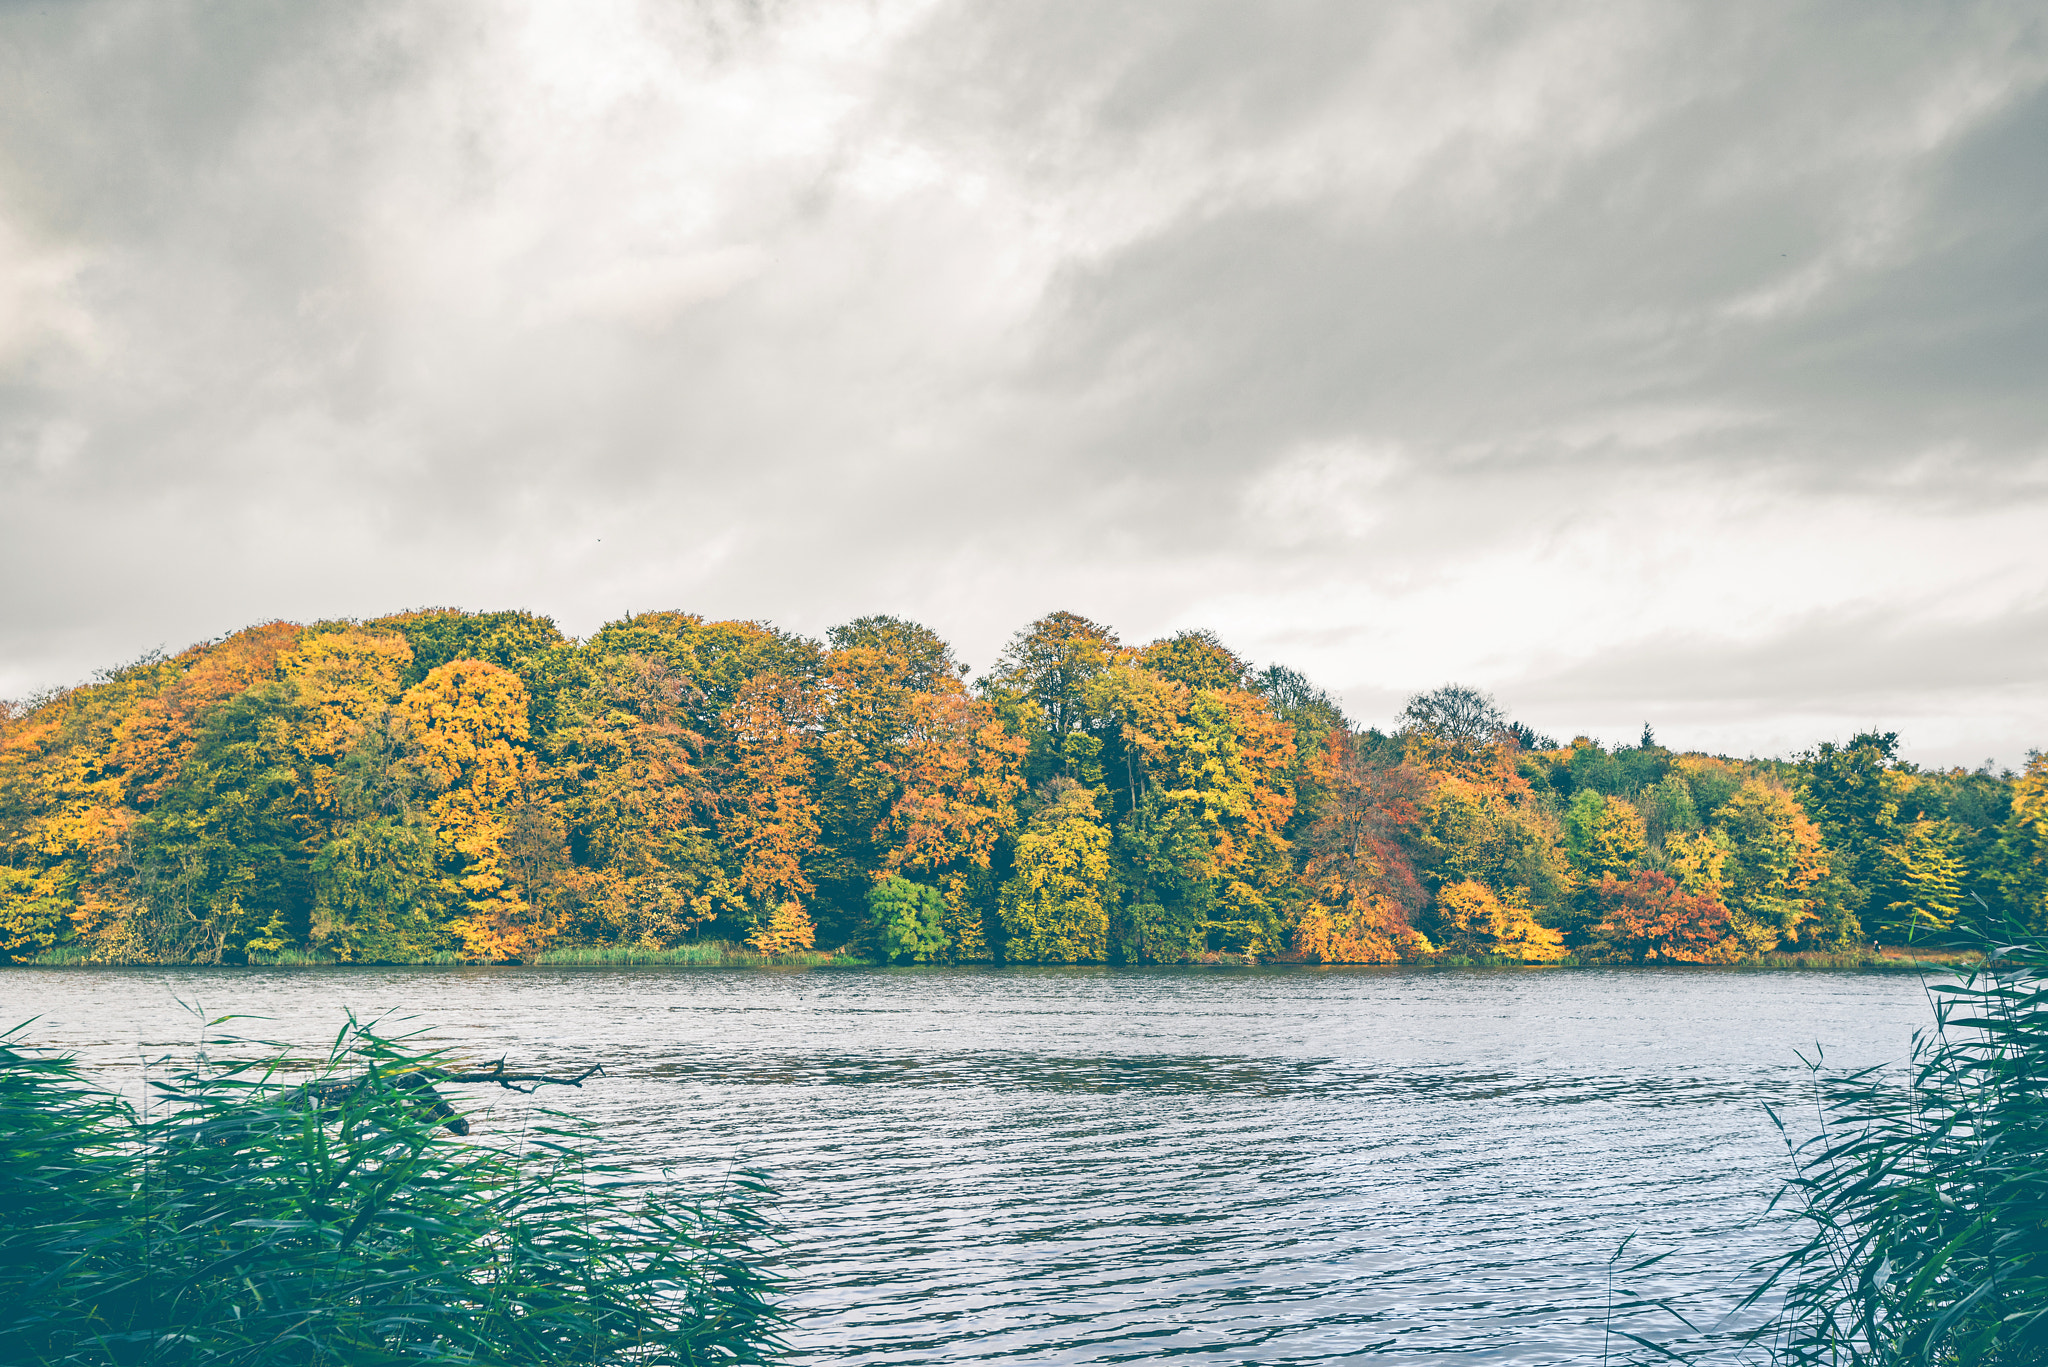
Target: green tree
(378,895)
(1668,809)
(222,862)
(1852,795)
(1046,670)
(1594,770)
(907,920)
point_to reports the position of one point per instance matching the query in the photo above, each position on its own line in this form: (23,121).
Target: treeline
(441,784)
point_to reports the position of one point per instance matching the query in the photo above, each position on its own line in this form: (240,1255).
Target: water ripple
(1093,1166)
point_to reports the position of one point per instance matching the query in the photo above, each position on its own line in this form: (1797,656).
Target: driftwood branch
(430,1103)
(496,1073)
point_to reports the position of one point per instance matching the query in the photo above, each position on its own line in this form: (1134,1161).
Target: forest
(444,785)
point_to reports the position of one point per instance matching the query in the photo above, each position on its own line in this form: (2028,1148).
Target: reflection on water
(1082,1166)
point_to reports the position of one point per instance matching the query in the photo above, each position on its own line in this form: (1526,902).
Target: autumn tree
(2023,847)
(345,684)
(788,930)
(1194,658)
(1362,882)
(466,728)
(1919,881)
(1315,717)
(1055,907)
(1472,920)
(1207,835)
(526,645)
(152,741)
(1650,918)
(1775,862)
(1606,838)
(1474,832)
(770,820)
(639,815)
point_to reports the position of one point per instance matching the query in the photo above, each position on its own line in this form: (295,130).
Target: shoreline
(715,956)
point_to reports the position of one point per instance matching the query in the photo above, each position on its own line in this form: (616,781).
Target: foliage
(1607,836)
(1054,909)
(1651,918)
(241,1222)
(438,784)
(907,921)
(1920,880)
(1472,920)
(2023,848)
(788,931)
(1775,862)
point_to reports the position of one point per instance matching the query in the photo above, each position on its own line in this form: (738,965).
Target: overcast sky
(1679,363)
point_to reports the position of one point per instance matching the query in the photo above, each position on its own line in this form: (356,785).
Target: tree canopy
(478,786)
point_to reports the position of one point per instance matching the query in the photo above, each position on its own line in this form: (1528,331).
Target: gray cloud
(1669,355)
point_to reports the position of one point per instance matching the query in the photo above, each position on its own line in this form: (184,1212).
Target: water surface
(1112,1165)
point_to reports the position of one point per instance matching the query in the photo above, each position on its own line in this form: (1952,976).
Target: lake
(1279,1165)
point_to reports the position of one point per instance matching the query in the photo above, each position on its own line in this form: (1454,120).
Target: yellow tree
(2023,846)
(345,683)
(1699,862)
(788,931)
(1210,824)
(465,726)
(865,721)
(1472,920)
(1194,658)
(1055,908)
(1922,877)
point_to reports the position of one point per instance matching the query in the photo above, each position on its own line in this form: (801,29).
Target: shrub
(908,920)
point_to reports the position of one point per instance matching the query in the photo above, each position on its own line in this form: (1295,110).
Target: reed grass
(236,1223)
(1918,1200)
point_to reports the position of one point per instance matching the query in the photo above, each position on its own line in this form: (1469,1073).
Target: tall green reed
(1925,1202)
(248,1219)
(1920,1198)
